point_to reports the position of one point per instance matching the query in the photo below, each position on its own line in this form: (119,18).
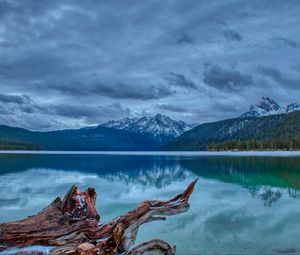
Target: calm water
(240,204)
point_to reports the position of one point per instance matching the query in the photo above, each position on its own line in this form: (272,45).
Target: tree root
(72,226)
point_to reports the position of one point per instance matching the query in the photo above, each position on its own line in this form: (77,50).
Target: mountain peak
(268,106)
(160,126)
(292,107)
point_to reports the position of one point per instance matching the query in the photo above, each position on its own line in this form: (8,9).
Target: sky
(69,64)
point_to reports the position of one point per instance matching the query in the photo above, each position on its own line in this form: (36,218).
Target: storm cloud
(88,113)
(232,35)
(72,63)
(14,99)
(180,80)
(289,42)
(171,107)
(277,76)
(226,79)
(117,90)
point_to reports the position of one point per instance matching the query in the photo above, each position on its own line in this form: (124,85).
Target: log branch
(72,226)
(156,246)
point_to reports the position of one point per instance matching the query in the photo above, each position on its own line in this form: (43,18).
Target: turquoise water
(240,204)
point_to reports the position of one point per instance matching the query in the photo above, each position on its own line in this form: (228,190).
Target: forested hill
(96,138)
(145,133)
(283,127)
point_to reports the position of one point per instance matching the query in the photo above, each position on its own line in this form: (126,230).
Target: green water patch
(250,171)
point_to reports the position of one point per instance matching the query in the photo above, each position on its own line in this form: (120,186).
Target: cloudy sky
(72,63)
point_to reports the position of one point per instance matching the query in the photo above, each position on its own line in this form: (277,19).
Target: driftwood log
(72,226)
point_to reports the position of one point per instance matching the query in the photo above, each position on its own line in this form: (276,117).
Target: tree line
(12,145)
(245,145)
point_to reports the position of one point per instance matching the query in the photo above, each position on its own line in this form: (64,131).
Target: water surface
(241,204)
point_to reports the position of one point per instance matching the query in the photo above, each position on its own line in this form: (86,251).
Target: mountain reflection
(156,176)
(266,194)
(267,178)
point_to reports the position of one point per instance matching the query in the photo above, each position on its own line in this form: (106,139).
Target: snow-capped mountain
(292,107)
(160,126)
(268,106)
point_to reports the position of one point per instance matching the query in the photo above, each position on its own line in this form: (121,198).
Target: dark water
(240,204)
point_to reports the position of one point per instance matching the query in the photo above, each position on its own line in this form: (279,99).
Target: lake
(243,203)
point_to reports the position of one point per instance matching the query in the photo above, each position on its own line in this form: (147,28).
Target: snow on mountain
(268,106)
(292,107)
(159,126)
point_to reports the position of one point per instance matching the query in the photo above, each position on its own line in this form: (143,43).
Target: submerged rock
(286,250)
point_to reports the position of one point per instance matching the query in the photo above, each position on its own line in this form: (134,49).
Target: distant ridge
(90,139)
(283,128)
(146,133)
(268,106)
(161,127)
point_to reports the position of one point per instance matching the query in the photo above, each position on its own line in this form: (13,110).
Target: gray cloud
(75,111)
(286,41)
(185,39)
(171,107)
(72,58)
(226,107)
(88,113)
(15,99)
(117,90)
(232,35)
(181,80)
(278,77)
(226,79)
(126,91)
(12,104)
(29,113)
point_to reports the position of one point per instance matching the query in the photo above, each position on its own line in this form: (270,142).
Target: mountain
(292,107)
(266,121)
(268,106)
(280,126)
(147,133)
(91,139)
(160,127)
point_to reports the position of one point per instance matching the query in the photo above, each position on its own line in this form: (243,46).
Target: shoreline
(161,153)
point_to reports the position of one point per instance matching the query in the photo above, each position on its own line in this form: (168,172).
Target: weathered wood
(60,223)
(72,226)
